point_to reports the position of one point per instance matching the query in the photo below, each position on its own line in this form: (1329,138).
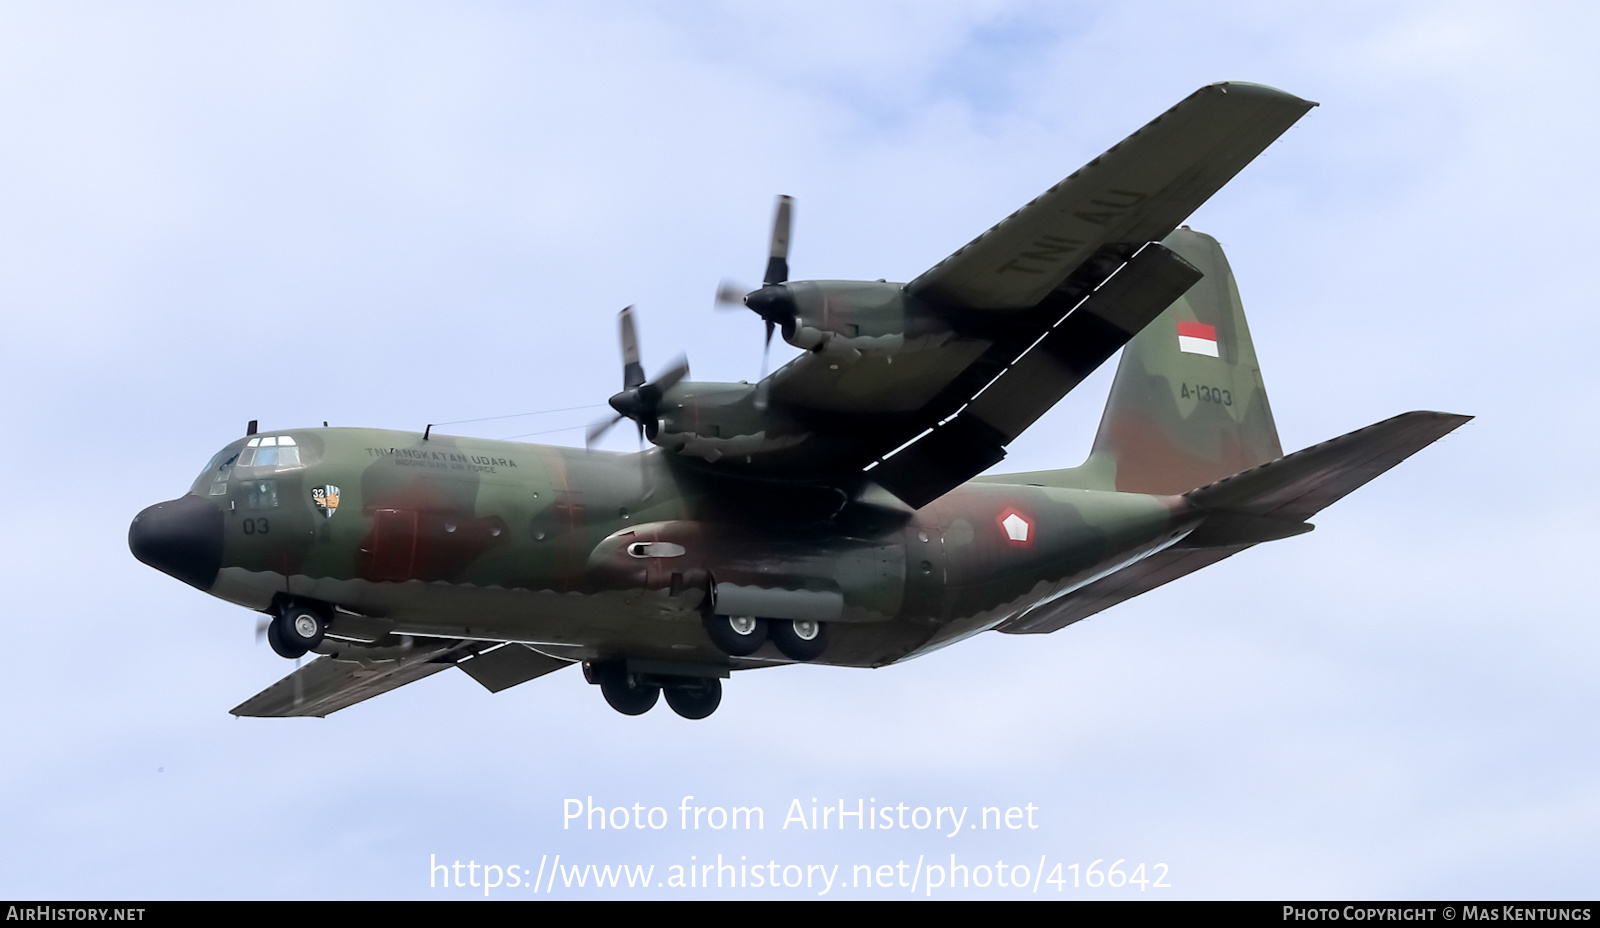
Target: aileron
(1137,192)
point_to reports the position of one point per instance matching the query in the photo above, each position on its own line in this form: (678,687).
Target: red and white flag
(1197,338)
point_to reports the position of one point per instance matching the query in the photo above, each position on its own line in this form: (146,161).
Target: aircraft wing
(1031,308)
(1136,192)
(356,673)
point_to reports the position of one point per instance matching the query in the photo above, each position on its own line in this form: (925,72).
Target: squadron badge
(327,499)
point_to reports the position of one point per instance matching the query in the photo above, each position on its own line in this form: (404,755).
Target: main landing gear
(801,639)
(736,635)
(634,693)
(741,635)
(296,629)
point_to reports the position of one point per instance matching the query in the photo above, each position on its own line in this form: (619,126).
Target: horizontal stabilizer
(1139,577)
(1261,504)
(1298,486)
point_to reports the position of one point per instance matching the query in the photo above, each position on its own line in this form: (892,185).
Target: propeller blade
(766,348)
(730,294)
(766,352)
(632,371)
(778,254)
(640,403)
(646,489)
(597,430)
(669,378)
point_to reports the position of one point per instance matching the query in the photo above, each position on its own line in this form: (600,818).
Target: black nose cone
(181,537)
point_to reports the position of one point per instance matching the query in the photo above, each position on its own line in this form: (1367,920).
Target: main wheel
(625,692)
(736,635)
(801,639)
(696,699)
(279,646)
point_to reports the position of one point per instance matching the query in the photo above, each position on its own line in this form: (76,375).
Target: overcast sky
(393,214)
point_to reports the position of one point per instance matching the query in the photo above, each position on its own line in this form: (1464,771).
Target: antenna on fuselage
(251,428)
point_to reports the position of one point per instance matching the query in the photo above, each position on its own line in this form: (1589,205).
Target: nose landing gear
(296,629)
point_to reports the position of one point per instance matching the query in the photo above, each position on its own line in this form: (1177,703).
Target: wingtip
(1260,90)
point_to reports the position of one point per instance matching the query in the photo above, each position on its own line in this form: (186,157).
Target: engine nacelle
(846,315)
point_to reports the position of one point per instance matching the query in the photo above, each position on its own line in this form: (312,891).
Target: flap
(509,665)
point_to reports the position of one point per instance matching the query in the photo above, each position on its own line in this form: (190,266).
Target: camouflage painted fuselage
(835,511)
(462,538)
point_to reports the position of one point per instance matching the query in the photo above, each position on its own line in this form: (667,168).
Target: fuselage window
(261,494)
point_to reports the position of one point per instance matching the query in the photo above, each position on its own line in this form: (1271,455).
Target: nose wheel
(296,630)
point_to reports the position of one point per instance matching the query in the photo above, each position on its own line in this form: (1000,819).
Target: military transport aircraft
(833,512)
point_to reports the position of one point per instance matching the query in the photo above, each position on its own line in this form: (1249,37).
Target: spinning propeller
(772,302)
(639,400)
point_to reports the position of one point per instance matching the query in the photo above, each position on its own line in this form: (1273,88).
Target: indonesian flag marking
(1197,338)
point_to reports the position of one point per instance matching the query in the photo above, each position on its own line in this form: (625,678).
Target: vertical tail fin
(1188,406)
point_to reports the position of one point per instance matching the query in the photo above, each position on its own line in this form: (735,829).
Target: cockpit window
(220,462)
(271,451)
(215,477)
(257,456)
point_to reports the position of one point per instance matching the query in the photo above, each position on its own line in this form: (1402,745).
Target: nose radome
(182,538)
